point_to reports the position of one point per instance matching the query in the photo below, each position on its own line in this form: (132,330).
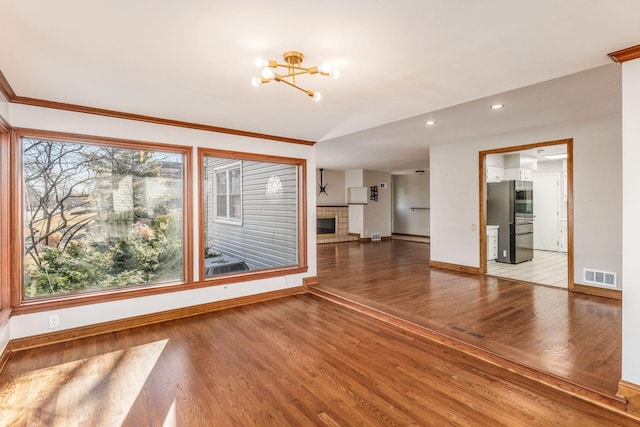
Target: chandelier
(292,68)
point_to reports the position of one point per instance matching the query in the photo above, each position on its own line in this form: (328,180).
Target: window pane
(100,217)
(235,207)
(221,206)
(221,194)
(234,181)
(264,196)
(221,181)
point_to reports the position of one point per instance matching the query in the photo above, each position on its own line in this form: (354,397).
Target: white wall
(453,173)
(336,189)
(5,333)
(597,164)
(631,225)
(64,121)
(597,193)
(374,216)
(355,178)
(4,108)
(411,191)
(377,214)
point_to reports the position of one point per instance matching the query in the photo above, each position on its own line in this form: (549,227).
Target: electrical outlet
(54,321)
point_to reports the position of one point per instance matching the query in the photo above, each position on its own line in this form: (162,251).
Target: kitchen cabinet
(492,242)
(495,174)
(519,174)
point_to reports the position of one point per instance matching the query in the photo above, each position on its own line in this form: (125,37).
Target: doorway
(549,165)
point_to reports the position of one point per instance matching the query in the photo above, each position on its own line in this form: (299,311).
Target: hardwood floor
(296,361)
(573,337)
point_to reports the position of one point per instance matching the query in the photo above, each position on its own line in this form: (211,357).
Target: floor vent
(603,278)
(376,237)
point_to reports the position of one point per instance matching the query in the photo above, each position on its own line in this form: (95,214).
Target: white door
(546,212)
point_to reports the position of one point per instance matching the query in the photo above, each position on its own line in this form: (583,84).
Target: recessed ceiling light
(430,122)
(497,106)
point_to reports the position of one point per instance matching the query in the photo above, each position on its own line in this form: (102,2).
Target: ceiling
(401,62)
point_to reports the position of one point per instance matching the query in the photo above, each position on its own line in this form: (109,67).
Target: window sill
(56,303)
(228,221)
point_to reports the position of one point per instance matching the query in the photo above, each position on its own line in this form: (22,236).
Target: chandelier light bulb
(260,62)
(256,81)
(317,96)
(268,73)
(335,73)
(325,68)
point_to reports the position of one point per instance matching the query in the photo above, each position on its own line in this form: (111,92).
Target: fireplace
(332,224)
(326,226)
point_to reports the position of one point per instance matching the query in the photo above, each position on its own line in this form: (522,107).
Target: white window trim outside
(226,219)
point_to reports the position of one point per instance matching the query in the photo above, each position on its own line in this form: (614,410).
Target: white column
(631,221)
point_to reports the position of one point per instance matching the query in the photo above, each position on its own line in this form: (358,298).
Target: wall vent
(376,237)
(602,278)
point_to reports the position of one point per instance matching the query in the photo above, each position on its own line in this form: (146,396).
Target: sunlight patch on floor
(171,420)
(97,390)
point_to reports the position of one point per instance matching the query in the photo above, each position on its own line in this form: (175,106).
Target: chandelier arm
(279,79)
(292,74)
(294,66)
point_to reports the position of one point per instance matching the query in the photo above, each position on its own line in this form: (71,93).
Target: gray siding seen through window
(267,236)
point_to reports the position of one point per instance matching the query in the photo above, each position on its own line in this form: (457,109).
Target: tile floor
(546,268)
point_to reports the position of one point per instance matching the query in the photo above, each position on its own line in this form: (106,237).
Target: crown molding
(10,95)
(627,54)
(5,88)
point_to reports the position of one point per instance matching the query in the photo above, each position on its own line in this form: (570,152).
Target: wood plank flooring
(296,361)
(572,336)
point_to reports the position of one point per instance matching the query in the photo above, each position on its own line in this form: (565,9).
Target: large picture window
(101,215)
(253,211)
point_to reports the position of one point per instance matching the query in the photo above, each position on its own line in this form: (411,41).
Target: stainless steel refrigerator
(510,206)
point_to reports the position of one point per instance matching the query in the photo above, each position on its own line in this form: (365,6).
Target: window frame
(302,265)
(227,219)
(5,215)
(18,300)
